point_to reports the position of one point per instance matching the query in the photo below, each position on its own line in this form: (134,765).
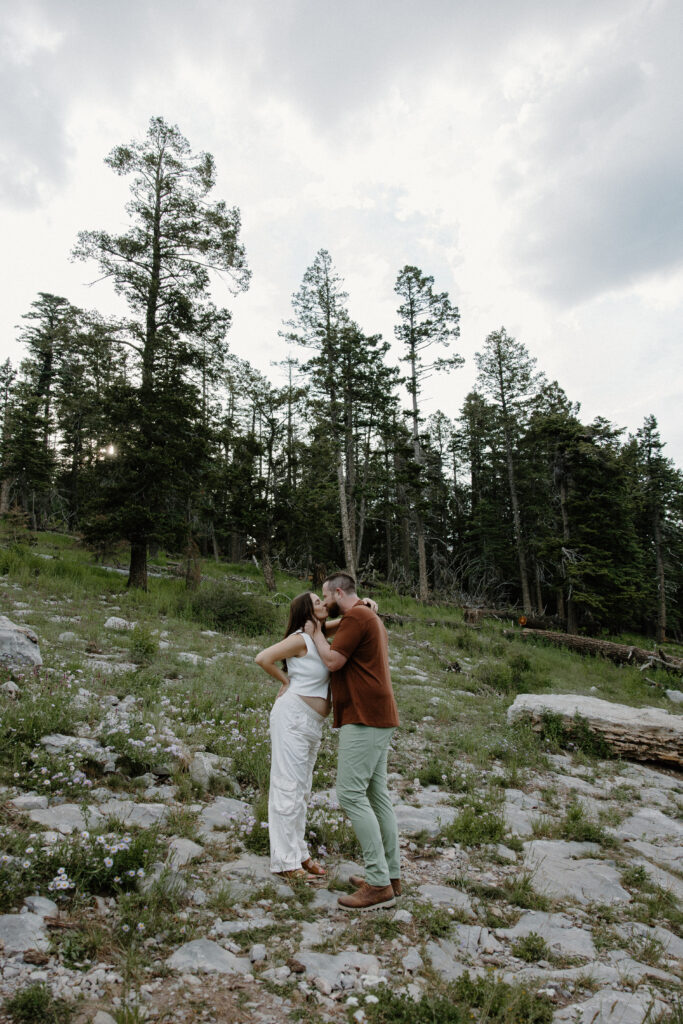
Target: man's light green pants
(363,794)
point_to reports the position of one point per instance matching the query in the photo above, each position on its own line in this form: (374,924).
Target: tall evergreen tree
(162,266)
(508,376)
(426,318)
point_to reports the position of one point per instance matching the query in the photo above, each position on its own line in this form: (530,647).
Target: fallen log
(639,734)
(623,654)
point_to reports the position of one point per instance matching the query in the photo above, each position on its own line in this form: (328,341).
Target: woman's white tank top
(308,676)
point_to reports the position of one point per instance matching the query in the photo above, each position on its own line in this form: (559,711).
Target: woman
(296,722)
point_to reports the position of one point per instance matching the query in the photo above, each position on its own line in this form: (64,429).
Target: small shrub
(531,947)
(35,1004)
(219,606)
(474,826)
(142,645)
(519,890)
(433,921)
(578,828)
(559,735)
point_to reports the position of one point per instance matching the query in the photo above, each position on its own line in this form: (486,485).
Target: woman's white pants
(295,735)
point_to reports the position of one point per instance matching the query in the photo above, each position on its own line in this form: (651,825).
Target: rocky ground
(132,854)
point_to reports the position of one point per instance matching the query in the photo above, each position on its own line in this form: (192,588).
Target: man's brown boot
(358,881)
(368,897)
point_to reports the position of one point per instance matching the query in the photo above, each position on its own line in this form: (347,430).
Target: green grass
(459,1002)
(35,1004)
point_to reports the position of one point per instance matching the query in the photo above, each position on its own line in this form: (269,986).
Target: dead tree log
(622,654)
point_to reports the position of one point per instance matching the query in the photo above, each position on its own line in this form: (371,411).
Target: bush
(36,1005)
(496,1002)
(142,645)
(220,606)
(475,825)
(531,947)
(559,734)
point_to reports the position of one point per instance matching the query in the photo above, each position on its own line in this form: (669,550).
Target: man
(366,715)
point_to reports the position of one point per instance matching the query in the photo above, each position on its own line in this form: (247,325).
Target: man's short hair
(341,581)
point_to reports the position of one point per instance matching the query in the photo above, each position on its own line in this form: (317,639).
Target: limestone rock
(337,970)
(411,819)
(30,801)
(57,743)
(204,767)
(611,1006)
(675,696)
(19,932)
(412,961)
(649,824)
(446,896)
(644,734)
(181,851)
(567,869)
(557,930)
(18,645)
(222,813)
(130,813)
(102,1017)
(474,940)
(114,622)
(10,688)
(66,818)
(41,906)
(445,958)
(208,957)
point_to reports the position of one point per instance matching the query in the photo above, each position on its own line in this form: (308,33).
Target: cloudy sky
(526,153)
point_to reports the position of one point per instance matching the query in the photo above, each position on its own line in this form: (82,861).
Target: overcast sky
(526,153)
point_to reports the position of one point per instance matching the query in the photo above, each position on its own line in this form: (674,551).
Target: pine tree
(426,318)
(507,374)
(162,266)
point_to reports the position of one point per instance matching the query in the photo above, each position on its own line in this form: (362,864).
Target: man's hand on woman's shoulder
(369,603)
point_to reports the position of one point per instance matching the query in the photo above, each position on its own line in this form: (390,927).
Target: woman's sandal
(313,867)
(296,875)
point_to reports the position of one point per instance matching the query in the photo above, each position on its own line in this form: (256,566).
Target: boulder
(208,957)
(114,622)
(19,932)
(445,957)
(331,972)
(181,851)
(644,734)
(18,645)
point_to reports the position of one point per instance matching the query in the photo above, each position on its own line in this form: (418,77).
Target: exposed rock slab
(411,819)
(18,645)
(66,818)
(567,869)
(182,851)
(612,1006)
(208,957)
(648,824)
(58,743)
(671,945)
(644,734)
(446,959)
(19,932)
(558,930)
(331,972)
(130,813)
(473,940)
(221,814)
(446,896)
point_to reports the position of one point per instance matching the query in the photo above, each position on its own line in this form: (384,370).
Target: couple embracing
(354,669)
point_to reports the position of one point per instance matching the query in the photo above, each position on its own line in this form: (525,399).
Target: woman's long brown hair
(300,611)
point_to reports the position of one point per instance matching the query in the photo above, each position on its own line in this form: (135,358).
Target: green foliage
(578,736)
(580,829)
(531,947)
(35,1004)
(475,825)
(143,645)
(84,864)
(225,607)
(460,1001)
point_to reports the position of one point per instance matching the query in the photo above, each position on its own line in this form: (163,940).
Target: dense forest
(147,430)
